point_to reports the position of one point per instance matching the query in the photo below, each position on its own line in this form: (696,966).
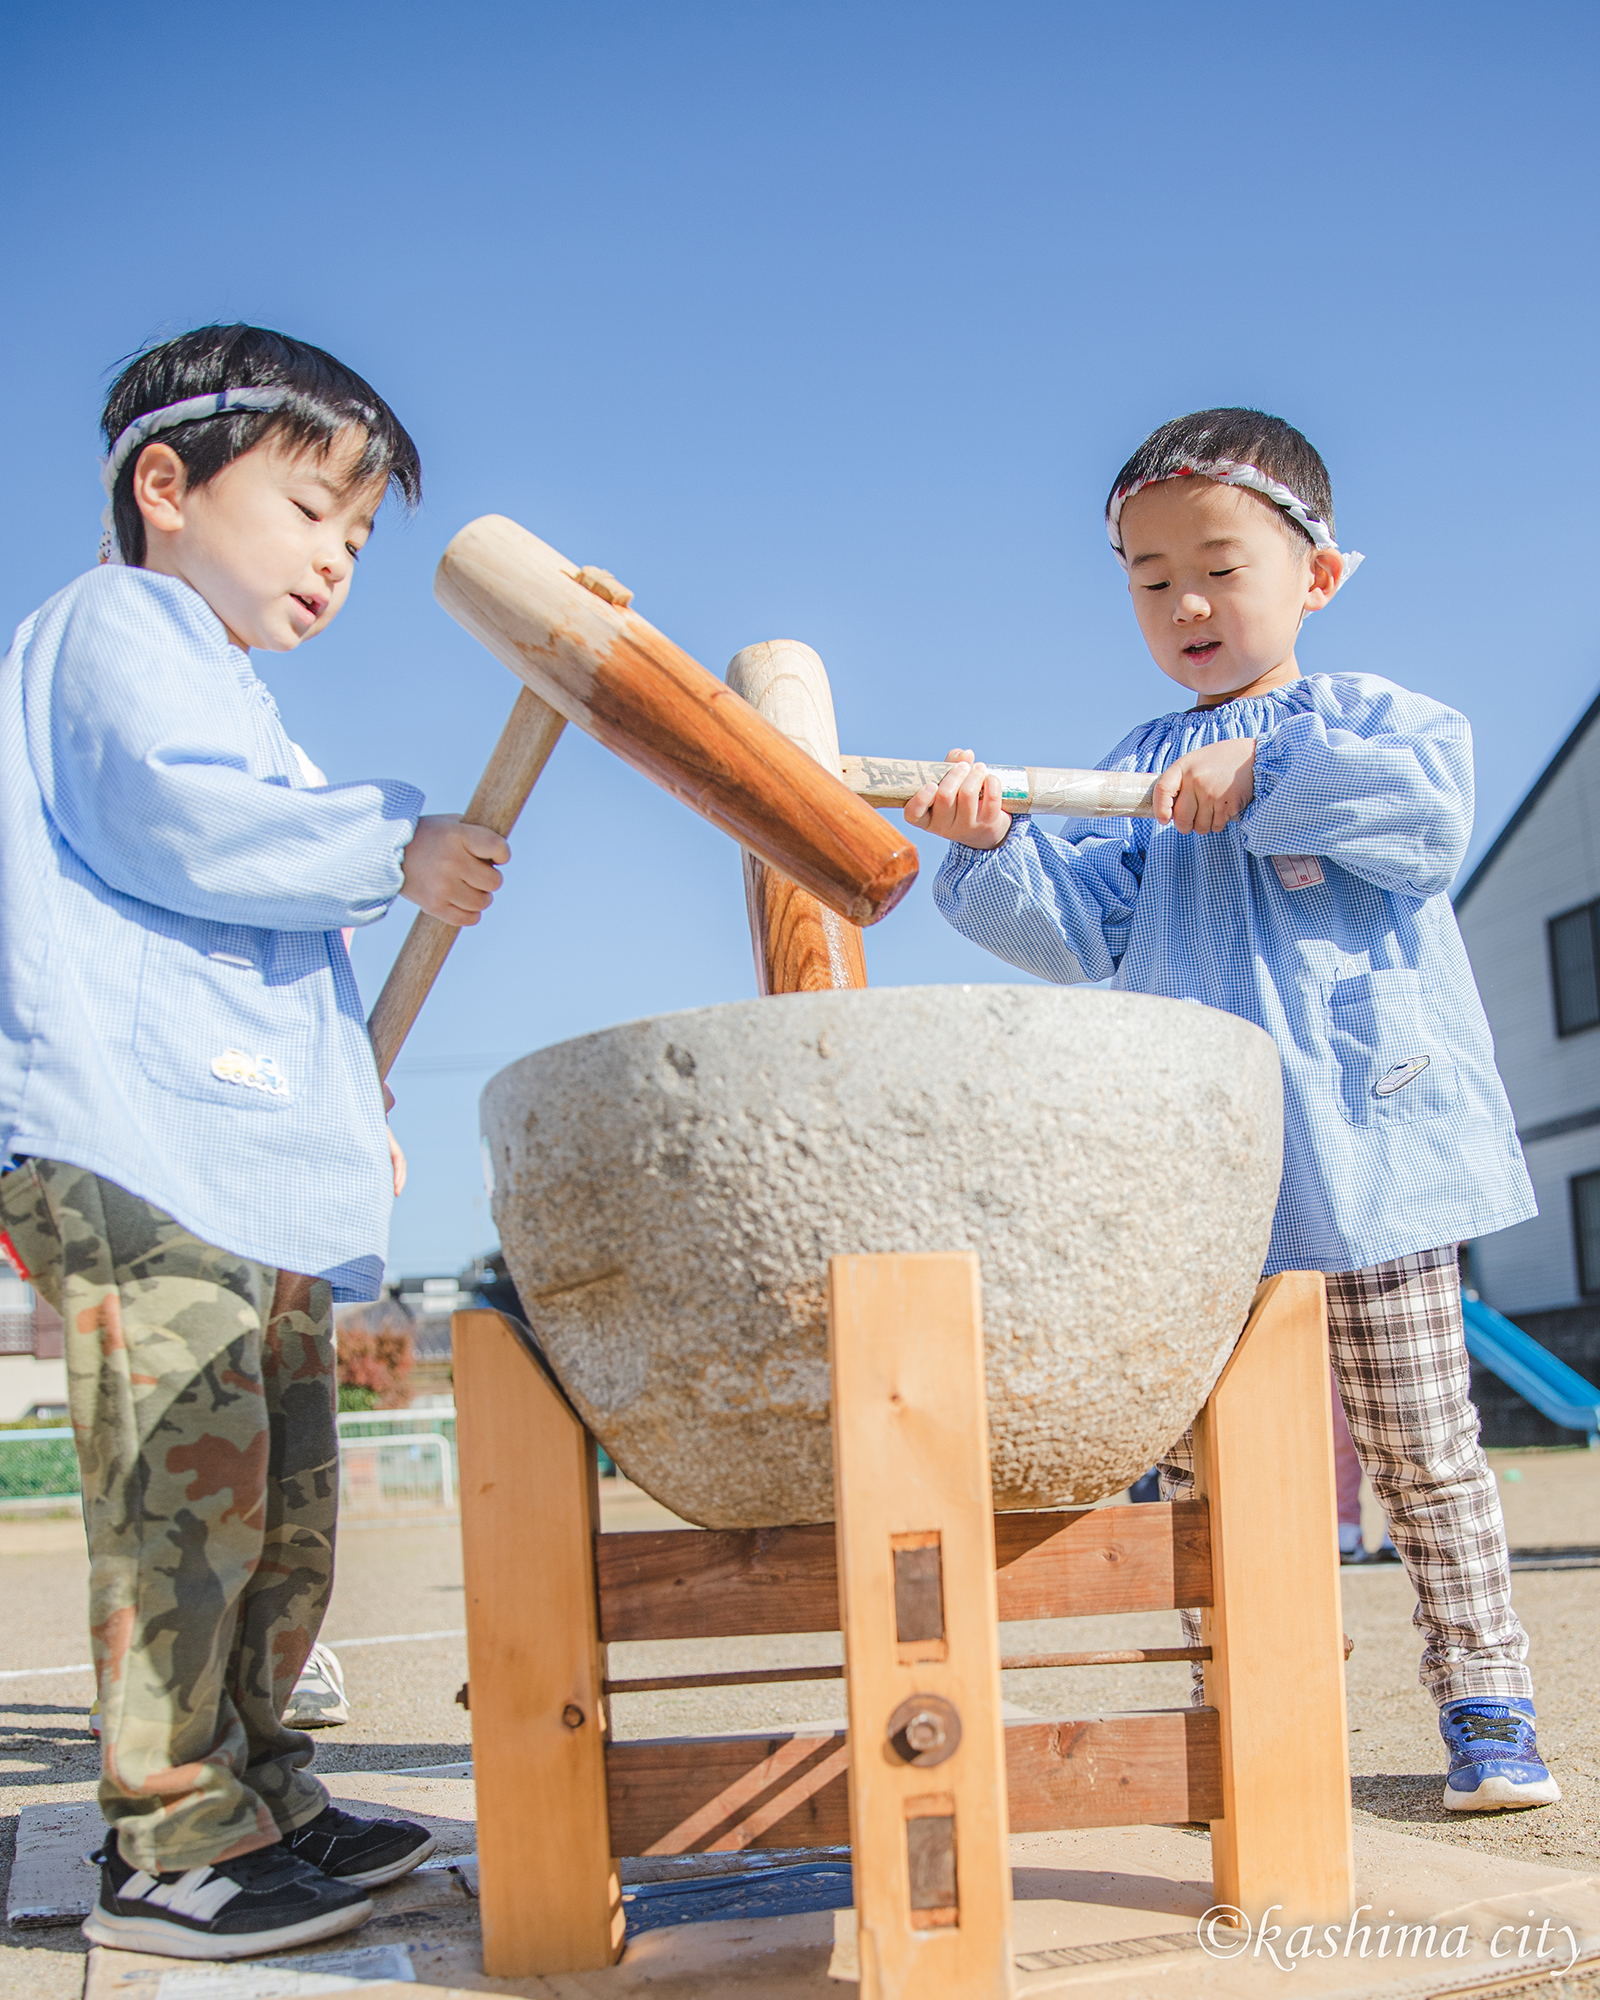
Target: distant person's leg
(1176,1474)
(1346,1477)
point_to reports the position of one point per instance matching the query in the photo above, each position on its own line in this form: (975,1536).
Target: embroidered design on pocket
(1399,1074)
(1298,871)
(253,1072)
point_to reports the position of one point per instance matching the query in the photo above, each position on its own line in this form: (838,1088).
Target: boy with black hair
(191,1122)
(1327,815)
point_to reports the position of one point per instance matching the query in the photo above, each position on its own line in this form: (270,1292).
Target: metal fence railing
(391,1462)
(38,1464)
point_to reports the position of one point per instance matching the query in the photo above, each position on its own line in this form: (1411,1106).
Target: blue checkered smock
(177,1008)
(1321,914)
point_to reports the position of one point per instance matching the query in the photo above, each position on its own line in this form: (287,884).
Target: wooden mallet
(587,658)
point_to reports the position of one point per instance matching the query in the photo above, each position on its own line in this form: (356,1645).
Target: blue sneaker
(1494,1757)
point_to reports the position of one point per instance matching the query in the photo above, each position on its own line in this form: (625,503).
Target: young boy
(190,1119)
(1307,830)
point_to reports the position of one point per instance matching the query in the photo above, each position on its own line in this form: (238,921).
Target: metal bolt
(925,1731)
(573,1716)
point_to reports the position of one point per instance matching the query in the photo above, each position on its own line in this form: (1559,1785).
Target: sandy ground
(407,1580)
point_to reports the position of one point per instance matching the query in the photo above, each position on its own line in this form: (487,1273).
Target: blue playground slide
(1533,1371)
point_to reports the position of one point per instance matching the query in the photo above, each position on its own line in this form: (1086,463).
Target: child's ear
(160,480)
(1327,572)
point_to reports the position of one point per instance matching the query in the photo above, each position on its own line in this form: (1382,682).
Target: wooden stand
(1265,1761)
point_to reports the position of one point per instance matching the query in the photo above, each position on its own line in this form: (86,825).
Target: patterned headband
(1229,472)
(221,403)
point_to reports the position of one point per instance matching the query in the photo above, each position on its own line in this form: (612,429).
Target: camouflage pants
(202,1397)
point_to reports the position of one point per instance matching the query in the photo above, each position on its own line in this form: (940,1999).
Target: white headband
(1229,472)
(221,403)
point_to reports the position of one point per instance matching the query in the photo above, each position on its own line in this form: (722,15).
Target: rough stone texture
(669,1192)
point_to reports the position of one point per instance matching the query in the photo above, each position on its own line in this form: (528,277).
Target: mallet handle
(890,781)
(524,747)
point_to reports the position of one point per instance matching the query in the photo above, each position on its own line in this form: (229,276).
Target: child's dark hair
(325,399)
(1248,437)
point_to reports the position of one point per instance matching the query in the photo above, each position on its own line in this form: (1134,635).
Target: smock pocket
(222,1018)
(1393,1066)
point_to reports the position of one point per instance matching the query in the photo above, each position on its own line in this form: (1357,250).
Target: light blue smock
(177,1008)
(1397,1132)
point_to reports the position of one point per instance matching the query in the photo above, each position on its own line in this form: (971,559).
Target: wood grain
(632,689)
(688,1583)
(912,1489)
(700,1794)
(529,1505)
(1155,1557)
(800,945)
(890,781)
(530,734)
(1264,1461)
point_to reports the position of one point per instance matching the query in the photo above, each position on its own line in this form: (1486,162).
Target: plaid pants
(1400,1359)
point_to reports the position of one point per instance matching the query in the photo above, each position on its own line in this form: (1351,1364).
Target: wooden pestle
(801,946)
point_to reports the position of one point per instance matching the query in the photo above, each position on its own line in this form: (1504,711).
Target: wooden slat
(911,1482)
(685,1583)
(1264,1456)
(1151,1558)
(1155,1769)
(700,1794)
(528,1508)
(689,1583)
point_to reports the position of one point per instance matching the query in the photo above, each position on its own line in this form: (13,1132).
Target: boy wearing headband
(1297,873)
(191,1124)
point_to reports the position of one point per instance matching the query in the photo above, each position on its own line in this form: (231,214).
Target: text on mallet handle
(890,781)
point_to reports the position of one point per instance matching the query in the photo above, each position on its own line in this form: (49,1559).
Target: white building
(33,1375)
(1530,914)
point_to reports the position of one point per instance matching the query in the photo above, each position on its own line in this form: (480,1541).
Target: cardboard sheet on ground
(1107,1913)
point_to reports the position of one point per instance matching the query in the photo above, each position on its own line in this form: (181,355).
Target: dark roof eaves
(1532,797)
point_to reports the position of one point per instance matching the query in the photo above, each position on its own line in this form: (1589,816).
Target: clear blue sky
(828,322)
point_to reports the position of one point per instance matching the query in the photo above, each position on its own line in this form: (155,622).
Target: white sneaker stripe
(199,1893)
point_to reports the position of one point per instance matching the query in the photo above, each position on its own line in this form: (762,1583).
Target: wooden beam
(548,1892)
(718,1583)
(721,1794)
(1159,1768)
(928,1833)
(1264,1462)
(1155,1557)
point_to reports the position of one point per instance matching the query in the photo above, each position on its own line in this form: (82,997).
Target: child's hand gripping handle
(894,781)
(524,747)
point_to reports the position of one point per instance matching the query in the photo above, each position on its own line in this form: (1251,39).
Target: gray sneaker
(318,1700)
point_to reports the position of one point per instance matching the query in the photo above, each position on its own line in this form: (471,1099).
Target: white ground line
(341,1645)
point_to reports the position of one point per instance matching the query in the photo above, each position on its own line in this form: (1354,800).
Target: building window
(1575,968)
(1586,1231)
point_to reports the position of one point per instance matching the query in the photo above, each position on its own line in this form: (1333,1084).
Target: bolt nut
(925,1731)
(573,1716)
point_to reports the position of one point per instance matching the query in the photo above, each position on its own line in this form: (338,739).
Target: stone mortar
(669,1192)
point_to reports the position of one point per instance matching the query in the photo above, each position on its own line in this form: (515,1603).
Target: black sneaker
(264,1901)
(360,1852)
